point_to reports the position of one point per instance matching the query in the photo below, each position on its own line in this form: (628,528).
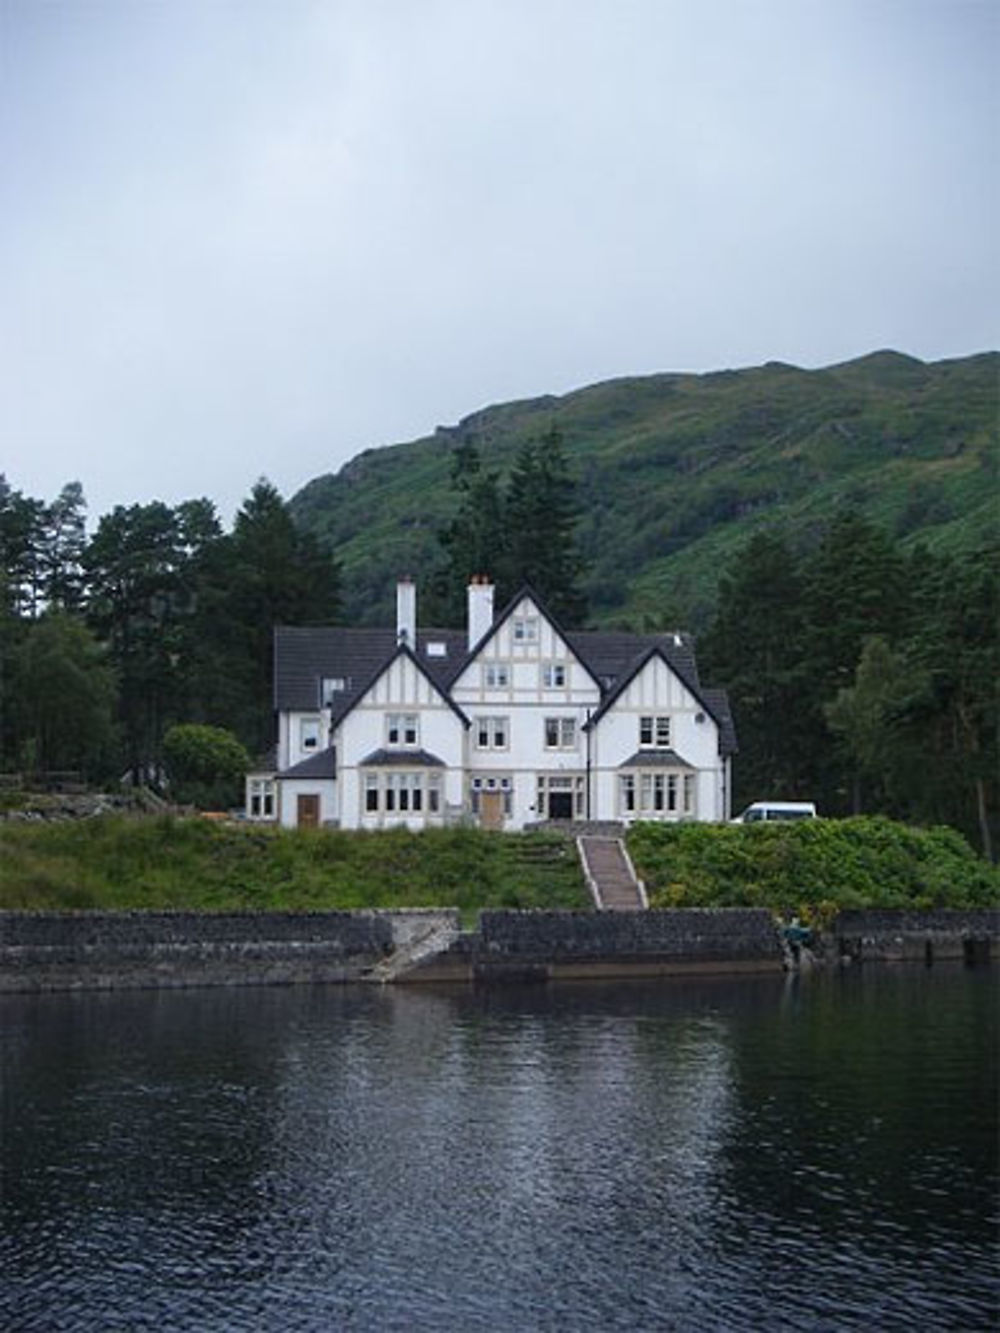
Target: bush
(205,765)
(812,867)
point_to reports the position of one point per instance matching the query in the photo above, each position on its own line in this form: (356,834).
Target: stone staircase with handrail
(610,875)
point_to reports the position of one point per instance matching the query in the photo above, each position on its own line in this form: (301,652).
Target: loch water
(755,1153)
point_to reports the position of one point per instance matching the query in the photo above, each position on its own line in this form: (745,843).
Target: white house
(510,722)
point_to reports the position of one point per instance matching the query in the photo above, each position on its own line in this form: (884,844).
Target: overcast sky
(245,237)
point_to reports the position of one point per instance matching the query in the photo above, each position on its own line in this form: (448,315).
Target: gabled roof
(525,591)
(322,765)
(658,650)
(358,656)
(304,656)
(402,650)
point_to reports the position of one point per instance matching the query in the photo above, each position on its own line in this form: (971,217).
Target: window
(525,629)
(261,798)
(330,686)
(491,733)
(309,733)
(560,733)
(401,729)
(401,792)
(655,731)
(496,676)
(437,649)
(656,794)
(553,676)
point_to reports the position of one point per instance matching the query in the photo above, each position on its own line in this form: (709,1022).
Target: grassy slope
(676,471)
(172,863)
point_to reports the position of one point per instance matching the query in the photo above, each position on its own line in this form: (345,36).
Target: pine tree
(541,520)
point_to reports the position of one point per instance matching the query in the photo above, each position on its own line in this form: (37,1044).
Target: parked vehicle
(760,810)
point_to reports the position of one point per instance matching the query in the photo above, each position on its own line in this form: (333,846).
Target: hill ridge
(675,469)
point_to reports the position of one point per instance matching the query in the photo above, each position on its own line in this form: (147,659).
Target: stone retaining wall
(539,946)
(104,950)
(911,936)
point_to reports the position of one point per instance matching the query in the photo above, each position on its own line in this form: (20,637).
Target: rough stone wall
(67,950)
(913,936)
(719,939)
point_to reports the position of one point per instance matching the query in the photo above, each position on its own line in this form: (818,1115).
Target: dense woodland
(863,671)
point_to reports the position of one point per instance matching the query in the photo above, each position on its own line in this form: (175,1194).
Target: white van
(760,810)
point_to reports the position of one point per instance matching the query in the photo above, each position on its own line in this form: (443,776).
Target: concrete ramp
(415,952)
(611,878)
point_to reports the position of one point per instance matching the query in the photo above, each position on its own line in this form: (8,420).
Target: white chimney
(406,613)
(480,607)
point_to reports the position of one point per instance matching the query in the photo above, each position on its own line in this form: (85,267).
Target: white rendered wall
(402,688)
(525,702)
(291,788)
(658,691)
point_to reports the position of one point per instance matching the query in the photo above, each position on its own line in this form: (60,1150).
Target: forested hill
(675,472)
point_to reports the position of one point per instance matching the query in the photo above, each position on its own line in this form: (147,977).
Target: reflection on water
(751,1154)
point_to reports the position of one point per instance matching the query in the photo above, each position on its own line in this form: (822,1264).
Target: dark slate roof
(303,656)
(266,762)
(717,702)
(401,759)
(655,759)
(322,765)
(612,654)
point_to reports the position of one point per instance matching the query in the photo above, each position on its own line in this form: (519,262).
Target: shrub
(205,765)
(812,867)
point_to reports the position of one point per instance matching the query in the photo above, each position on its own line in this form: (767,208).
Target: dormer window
(330,686)
(437,649)
(525,629)
(401,729)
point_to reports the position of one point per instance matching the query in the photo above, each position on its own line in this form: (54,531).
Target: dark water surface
(752,1154)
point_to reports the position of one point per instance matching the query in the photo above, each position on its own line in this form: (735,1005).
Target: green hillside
(675,472)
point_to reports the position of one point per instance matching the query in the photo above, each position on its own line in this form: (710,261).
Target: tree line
(863,677)
(859,676)
(159,617)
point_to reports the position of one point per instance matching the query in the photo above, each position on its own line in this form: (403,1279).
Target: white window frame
(655,731)
(559,733)
(525,629)
(496,675)
(657,793)
(261,802)
(402,730)
(491,733)
(554,676)
(401,791)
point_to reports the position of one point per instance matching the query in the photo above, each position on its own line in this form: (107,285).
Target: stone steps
(609,874)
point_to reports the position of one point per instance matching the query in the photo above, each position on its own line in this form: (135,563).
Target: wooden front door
(307,811)
(491,809)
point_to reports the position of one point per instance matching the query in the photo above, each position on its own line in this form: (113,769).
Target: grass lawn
(168,862)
